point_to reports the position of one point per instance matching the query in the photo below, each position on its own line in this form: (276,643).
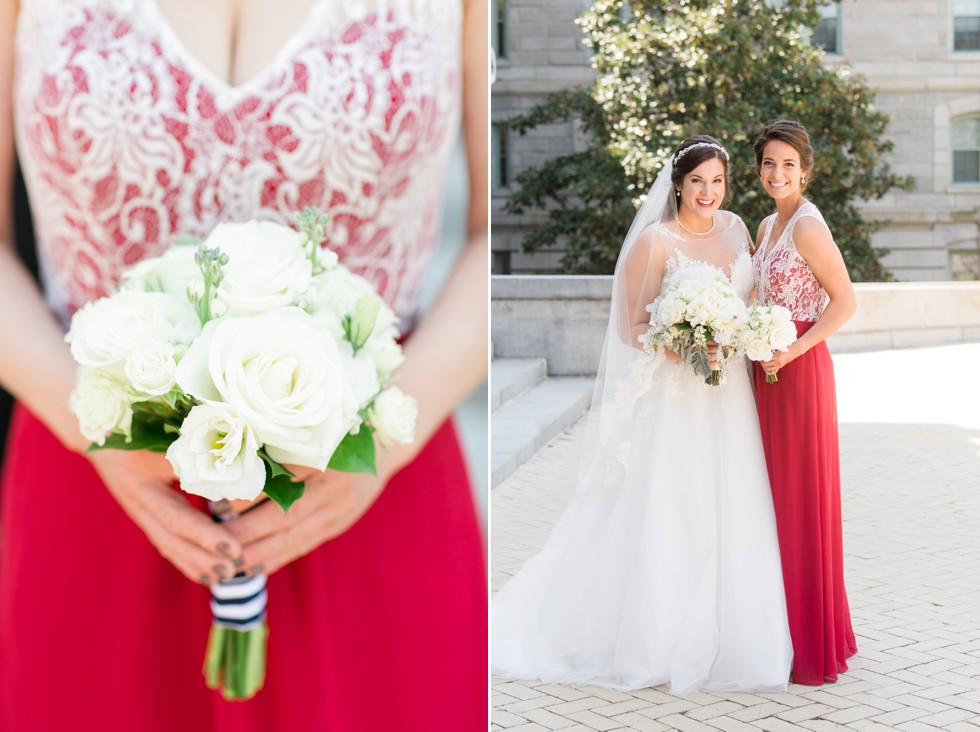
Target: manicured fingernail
(256,569)
(206,579)
(225,548)
(221,570)
(239,562)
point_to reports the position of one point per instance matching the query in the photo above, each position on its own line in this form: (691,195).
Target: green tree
(672,68)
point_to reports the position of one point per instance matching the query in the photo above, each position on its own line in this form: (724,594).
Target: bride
(665,567)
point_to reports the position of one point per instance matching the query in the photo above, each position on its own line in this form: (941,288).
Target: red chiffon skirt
(798,417)
(382,629)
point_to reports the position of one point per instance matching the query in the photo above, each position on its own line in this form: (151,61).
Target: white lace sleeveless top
(126,140)
(783,277)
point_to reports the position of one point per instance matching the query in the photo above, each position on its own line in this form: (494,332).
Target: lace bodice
(729,254)
(783,276)
(126,140)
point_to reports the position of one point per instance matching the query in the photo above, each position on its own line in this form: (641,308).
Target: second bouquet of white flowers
(765,329)
(252,351)
(689,314)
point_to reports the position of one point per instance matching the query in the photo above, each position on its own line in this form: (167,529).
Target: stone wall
(902,47)
(563,318)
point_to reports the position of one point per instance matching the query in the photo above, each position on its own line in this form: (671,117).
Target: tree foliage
(667,69)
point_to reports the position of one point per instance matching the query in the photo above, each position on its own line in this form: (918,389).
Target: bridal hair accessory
(695,146)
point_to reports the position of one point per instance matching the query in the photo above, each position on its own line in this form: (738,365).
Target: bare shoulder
(810,232)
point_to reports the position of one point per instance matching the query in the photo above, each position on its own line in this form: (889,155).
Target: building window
(498,27)
(966,150)
(500,156)
(827,33)
(966,25)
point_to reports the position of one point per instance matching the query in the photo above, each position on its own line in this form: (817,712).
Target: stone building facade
(921,58)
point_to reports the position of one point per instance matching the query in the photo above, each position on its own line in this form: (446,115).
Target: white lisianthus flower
(101,404)
(336,295)
(267,267)
(393,416)
(362,373)
(106,331)
(385,351)
(151,367)
(217,455)
(283,375)
(173,272)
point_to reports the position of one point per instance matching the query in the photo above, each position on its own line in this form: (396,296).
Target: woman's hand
(779,360)
(331,504)
(711,350)
(141,482)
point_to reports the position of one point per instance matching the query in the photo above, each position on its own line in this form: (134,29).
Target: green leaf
(148,433)
(355,453)
(274,468)
(283,491)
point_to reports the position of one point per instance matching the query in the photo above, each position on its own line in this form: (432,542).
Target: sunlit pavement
(910,454)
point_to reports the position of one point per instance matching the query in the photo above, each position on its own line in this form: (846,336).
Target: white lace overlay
(783,276)
(126,140)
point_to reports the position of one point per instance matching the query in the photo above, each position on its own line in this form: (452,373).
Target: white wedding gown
(667,570)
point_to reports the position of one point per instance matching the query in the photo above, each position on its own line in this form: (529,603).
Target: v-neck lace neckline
(768,250)
(294,41)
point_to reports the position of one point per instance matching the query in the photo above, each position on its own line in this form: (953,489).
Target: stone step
(526,424)
(511,377)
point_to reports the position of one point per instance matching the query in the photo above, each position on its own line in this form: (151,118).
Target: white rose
(393,416)
(267,267)
(151,367)
(106,331)
(217,455)
(779,314)
(101,405)
(172,272)
(282,375)
(782,335)
(758,350)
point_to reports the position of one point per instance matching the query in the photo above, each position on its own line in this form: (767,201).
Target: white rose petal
(151,367)
(393,416)
(101,405)
(758,350)
(267,267)
(283,375)
(216,455)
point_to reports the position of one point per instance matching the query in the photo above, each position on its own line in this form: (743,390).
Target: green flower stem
(234,662)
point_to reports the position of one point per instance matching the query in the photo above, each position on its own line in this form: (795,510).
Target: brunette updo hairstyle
(692,159)
(792,133)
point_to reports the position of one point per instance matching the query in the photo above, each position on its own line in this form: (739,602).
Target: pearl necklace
(696,233)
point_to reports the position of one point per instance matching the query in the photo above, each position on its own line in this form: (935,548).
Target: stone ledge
(562,318)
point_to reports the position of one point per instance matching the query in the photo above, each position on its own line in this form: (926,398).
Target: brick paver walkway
(910,444)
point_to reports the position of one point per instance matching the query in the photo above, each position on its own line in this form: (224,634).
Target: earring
(803,180)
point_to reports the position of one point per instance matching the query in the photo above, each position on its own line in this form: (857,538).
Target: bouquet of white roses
(763,330)
(252,351)
(691,313)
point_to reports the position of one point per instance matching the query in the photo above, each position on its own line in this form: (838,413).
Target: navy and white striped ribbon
(239,603)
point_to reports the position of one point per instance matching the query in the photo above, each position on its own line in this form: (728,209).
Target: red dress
(126,141)
(798,417)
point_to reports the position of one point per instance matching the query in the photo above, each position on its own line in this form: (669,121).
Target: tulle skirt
(381,629)
(798,417)
(667,571)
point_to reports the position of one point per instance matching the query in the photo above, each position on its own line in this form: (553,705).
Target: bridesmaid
(798,266)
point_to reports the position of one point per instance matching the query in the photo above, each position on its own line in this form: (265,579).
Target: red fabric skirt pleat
(798,417)
(381,629)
